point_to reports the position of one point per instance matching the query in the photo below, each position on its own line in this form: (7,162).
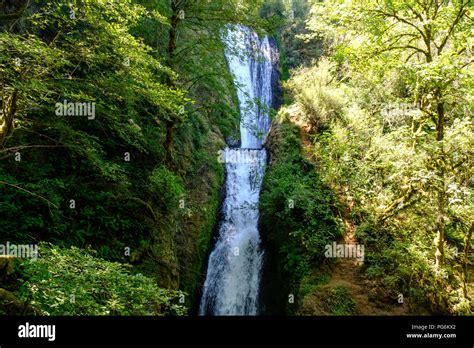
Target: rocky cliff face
(273,289)
(273,285)
(276,85)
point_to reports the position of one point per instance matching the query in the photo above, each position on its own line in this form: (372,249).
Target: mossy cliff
(297,219)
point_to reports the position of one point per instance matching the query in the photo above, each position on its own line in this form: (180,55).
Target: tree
(431,36)
(190,41)
(400,80)
(433,40)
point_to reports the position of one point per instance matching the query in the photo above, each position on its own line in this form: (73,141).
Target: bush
(297,214)
(74,282)
(340,302)
(316,93)
(167,186)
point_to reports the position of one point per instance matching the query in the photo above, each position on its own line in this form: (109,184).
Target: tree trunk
(439,241)
(465,262)
(441,205)
(10,111)
(170,127)
(173,33)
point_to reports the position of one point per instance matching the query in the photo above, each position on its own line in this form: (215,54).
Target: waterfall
(234,269)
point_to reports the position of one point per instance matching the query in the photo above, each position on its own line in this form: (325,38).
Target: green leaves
(403,75)
(75,282)
(158,123)
(294,199)
(82,53)
(340,302)
(168,186)
(318,95)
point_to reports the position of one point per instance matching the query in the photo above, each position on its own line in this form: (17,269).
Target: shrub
(74,282)
(168,186)
(297,209)
(340,302)
(316,93)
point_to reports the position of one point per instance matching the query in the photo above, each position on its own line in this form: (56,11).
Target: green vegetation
(136,179)
(294,193)
(374,144)
(297,212)
(340,302)
(311,282)
(74,282)
(389,108)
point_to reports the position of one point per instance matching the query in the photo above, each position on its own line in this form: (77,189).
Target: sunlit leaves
(75,282)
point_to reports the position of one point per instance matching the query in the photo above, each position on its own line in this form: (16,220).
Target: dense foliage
(297,214)
(132,171)
(390,108)
(112,114)
(74,282)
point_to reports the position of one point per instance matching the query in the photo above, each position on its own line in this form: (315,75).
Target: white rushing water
(234,269)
